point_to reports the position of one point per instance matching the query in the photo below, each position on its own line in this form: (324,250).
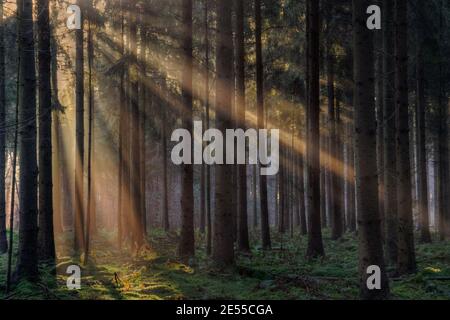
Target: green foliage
(282,273)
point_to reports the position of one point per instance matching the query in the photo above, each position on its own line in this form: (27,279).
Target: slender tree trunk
(406,262)
(165,193)
(265,227)
(207,116)
(389,125)
(315,246)
(336,212)
(27,261)
(122,142)
(422,181)
(223,251)
(79,136)
(370,244)
(242,239)
(3,241)
(90,193)
(186,246)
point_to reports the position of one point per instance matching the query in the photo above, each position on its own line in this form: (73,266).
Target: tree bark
(79,137)
(3,241)
(370,245)
(422,182)
(315,245)
(406,262)
(223,251)
(389,125)
(186,246)
(45,234)
(27,260)
(242,238)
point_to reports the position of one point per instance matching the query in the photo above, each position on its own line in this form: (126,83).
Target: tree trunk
(242,238)
(186,246)
(90,191)
(27,263)
(370,244)
(422,181)
(265,227)
(79,136)
(3,241)
(406,261)
(223,251)
(45,234)
(390,182)
(315,246)
(207,116)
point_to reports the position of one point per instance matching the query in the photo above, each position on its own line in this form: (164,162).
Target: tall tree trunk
(207,116)
(406,261)
(265,227)
(379,76)
(45,234)
(90,191)
(422,181)
(370,244)
(443,138)
(137,236)
(27,263)
(79,136)
(165,177)
(389,125)
(336,212)
(315,245)
(242,239)
(3,241)
(223,251)
(186,246)
(122,125)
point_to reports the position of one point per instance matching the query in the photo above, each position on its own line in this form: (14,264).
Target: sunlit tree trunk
(350,181)
(27,259)
(265,227)
(406,262)
(242,239)
(90,191)
(3,241)
(369,225)
(315,245)
(79,137)
(186,248)
(165,191)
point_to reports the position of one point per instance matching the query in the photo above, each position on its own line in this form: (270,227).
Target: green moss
(282,273)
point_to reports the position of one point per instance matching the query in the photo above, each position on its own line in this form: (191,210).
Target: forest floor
(282,273)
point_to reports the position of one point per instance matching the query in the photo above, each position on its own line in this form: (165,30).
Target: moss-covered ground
(282,273)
